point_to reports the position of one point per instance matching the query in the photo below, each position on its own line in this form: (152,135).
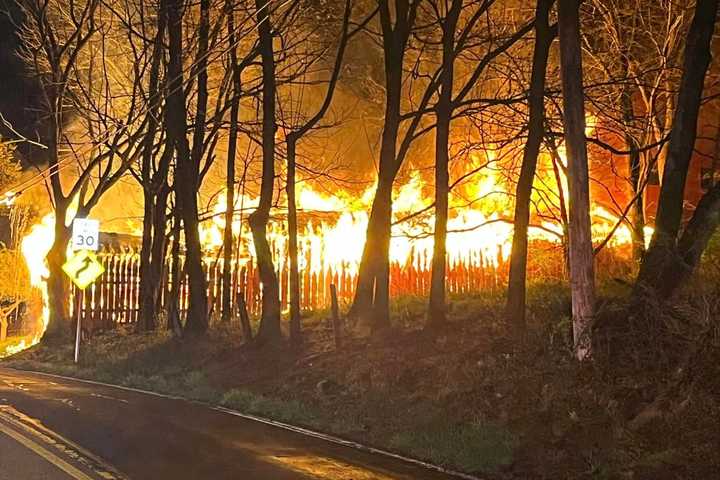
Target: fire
(35,246)
(8,199)
(332,225)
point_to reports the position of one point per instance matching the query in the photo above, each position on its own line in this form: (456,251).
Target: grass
(473,447)
(459,398)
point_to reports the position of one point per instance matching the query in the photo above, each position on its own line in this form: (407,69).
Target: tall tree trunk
(694,240)
(58,284)
(371,304)
(582,283)
(149,289)
(269,330)
(176,276)
(371,311)
(515,306)
(147,306)
(381,301)
(292,140)
(159,246)
(295,326)
(637,211)
(227,293)
(663,256)
(443,112)
(186,178)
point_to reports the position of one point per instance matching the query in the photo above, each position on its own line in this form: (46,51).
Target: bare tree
(673,255)
(269,330)
(291,140)
(236,69)
(544,35)
(582,283)
(443,113)
(154,179)
(65,47)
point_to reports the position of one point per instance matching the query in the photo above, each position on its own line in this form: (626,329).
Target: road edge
(268,421)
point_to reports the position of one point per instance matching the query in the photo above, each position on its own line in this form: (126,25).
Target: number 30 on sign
(85,233)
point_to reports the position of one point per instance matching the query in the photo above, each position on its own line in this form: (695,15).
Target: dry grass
(466,397)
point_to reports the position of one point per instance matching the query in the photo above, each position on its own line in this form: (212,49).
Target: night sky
(17,96)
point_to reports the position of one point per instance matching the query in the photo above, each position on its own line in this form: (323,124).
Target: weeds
(458,398)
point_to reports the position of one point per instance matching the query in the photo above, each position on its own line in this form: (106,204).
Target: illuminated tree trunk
(582,283)
(295,326)
(371,304)
(515,306)
(637,210)
(269,330)
(58,284)
(291,141)
(173,294)
(230,172)
(159,243)
(381,301)
(186,178)
(443,112)
(668,262)
(148,284)
(147,308)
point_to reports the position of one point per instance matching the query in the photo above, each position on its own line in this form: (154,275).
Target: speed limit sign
(85,234)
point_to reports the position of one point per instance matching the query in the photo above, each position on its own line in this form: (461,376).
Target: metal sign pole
(77,338)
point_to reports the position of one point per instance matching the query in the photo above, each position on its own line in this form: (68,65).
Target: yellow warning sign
(83,268)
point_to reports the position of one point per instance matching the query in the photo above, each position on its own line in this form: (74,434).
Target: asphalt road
(140,436)
(19,462)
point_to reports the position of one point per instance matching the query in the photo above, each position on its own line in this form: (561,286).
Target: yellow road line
(38,449)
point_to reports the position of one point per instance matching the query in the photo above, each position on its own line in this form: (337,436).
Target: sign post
(83,267)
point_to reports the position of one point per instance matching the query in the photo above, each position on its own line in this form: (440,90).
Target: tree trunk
(443,112)
(375,252)
(148,313)
(186,172)
(295,325)
(637,210)
(381,301)
(197,318)
(694,240)
(158,247)
(292,140)
(662,256)
(147,306)
(173,310)
(148,289)
(515,306)
(582,283)
(58,284)
(371,304)
(269,330)
(230,173)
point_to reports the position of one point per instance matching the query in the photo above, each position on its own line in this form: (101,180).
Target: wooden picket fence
(114,299)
